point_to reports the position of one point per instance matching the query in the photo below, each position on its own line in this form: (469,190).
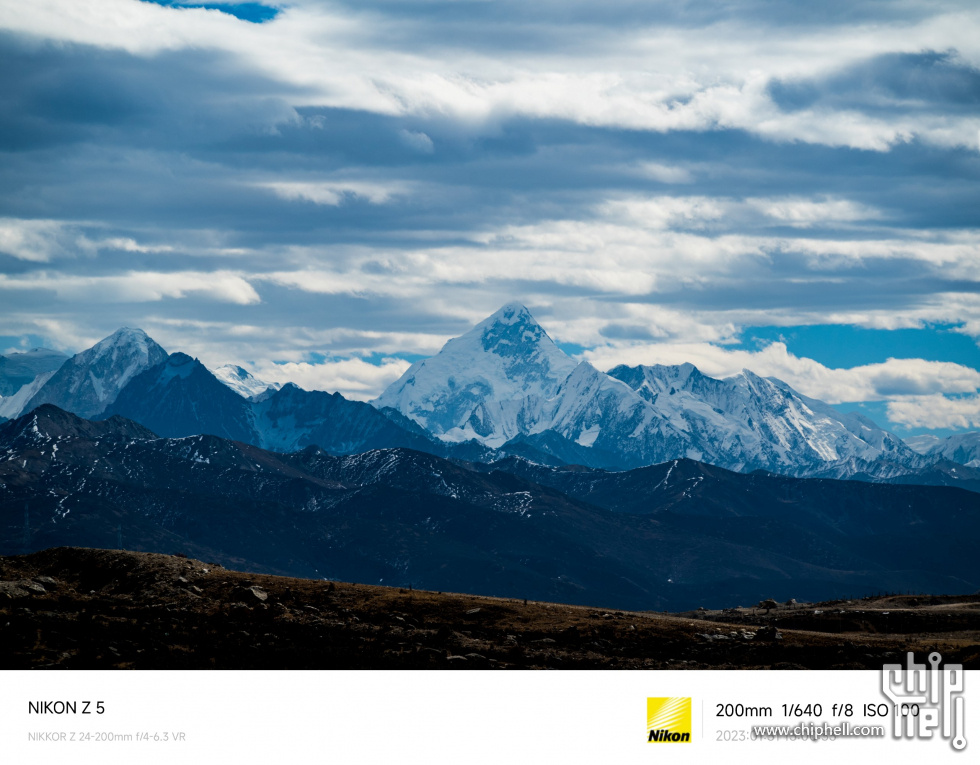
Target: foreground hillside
(83,608)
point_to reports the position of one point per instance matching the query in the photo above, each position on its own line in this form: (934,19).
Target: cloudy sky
(326,191)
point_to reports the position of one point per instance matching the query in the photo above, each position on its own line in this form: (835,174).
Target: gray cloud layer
(345,186)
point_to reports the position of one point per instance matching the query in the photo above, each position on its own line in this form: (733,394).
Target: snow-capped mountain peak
(747,421)
(122,338)
(509,331)
(242,381)
(89,381)
(488,384)
(519,347)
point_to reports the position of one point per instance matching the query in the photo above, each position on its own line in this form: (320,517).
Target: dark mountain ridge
(668,536)
(181,397)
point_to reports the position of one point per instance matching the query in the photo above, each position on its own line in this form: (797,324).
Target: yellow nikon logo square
(669,720)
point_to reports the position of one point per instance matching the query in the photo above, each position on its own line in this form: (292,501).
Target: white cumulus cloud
(936,411)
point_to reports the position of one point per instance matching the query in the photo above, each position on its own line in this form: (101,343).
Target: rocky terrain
(97,609)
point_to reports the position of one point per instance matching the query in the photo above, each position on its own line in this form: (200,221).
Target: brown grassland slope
(85,608)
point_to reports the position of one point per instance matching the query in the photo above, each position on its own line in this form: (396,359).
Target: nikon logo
(669,720)
(664,735)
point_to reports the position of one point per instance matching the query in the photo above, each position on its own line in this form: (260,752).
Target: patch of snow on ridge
(12,407)
(589,435)
(243,382)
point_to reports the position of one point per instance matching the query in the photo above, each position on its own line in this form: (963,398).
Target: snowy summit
(488,384)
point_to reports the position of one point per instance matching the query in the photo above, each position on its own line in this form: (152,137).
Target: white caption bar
(458,717)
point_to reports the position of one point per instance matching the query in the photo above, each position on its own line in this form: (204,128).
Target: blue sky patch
(254,12)
(840,346)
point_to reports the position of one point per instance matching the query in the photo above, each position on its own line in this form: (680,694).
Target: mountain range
(670,536)
(507,385)
(502,389)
